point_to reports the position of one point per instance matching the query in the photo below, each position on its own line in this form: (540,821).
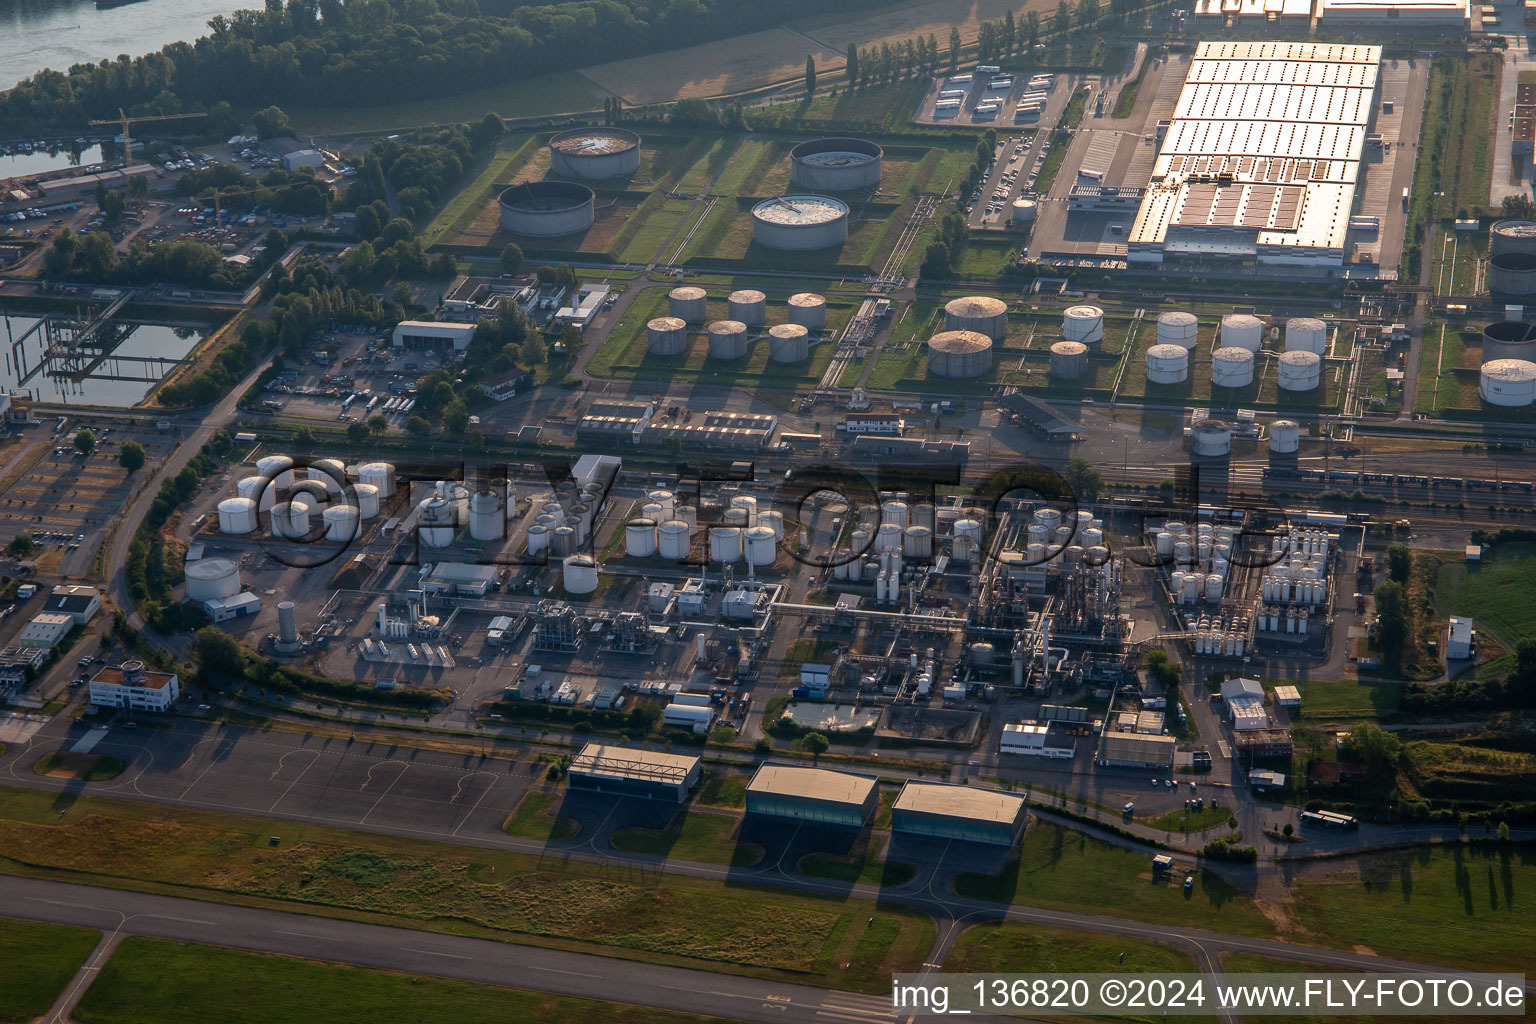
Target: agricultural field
(39,960)
(624,354)
(1496,592)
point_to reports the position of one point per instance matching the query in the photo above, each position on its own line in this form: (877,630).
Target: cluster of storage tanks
(1081,326)
(1220,637)
(1300,575)
(563,523)
(1051,536)
(292,504)
(665,529)
(1512,259)
(730,338)
(1283,620)
(1201,557)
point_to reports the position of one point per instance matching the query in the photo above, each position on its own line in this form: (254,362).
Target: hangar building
(630,771)
(815,795)
(959,812)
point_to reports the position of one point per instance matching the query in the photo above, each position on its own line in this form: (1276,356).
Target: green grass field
(164,982)
(535,819)
(1191,820)
(39,959)
(466,206)
(1496,592)
(1248,963)
(864,865)
(721,787)
(85,767)
(692,835)
(563,92)
(1333,700)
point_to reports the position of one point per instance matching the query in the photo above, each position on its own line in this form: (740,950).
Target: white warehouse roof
(1262,154)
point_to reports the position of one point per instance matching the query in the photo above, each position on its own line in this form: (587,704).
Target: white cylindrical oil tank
(1098,554)
(666,499)
(640,538)
(1210,438)
(688,303)
(980,314)
(887,538)
(435,522)
(378,474)
(724,543)
(487,515)
(1072,554)
(309,493)
(1039,533)
(290,520)
(1024,210)
(1176,583)
(594,153)
(1167,364)
(538,538)
(860,542)
(1178,328)
(579,574)
(277,468)
(800,223)
(917,542)
(759,545)
(666,336)
(547,209)
(1034,553)
(237,516)
(563,540)
(970,529)
(654,510)
(210,579)
(788,343)
(287,623)
(727,339)
(1509,383)
(1306,334)
(367,498)
(1069,360)
(342,523)
(258,489)
(1242,330)
(1083,324)
(774,520)
(1092,536)
(688,514)
(749,306)
(330,472)
(1300,370)
(925,514)
(808,310)
(1050,518)
(1213,587)
(1231,367)
(895,512)
(457,496)
(959,354)
(673,539)
(747,504)
(1284,436)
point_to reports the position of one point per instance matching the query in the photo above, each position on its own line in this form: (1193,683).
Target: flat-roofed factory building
(631,771)
(815,795)
(959,812)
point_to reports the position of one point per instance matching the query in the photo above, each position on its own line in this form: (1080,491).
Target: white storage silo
(895,512)
(562,540)
(666,336)
(688,303)
(808,310)
(736,517)
(277,468)
(724,543)
(748,305)
(1306,334)
(969,530)
(342,523)
(640,538)
(237,516)
(211,579)
(538,538)
(258,489)
(673,539)
(1213,587)
(330,472)
(1069,360)
(1242,330)
(1508,382)
(290,520)
(579,574)
(788,343)
(1284,436)
(1178,328)
(378,474)
(727,339)
(887,538)
(1231,367)
(688,514)
(917,542)
(666,499)
(1167,364)
(487,515)
(1300,370)
(979,313)
(1083,324)
(1210,438)
(435,522)
(774,520)
(457,496)
(367,498)
(747,504)
(760,547)
(1024,210)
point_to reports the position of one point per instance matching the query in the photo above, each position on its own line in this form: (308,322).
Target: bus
(1328,819)
(1405,199)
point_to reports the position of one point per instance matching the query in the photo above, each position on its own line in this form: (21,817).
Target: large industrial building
(1262,155)
(1399,15)
(959,812)
(631,771)
(815,795)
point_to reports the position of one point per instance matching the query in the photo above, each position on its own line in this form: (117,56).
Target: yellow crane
(125,121)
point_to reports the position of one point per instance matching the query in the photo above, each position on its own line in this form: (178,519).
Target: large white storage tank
(748,305)
(1069,360)
(330,472)
(1210,438)
(980,313)
(290,519)
(959,354)
(1232,367)
(809,310)
(917,542)
(673,539)
(258,489)
(342,523)
(1306,334)
(380,475)
(1167,364)
(1178,328)
(1300,370)
(1284,437)
(1508,382)
(538,538)
(689,303)
(210,579)
(1024,210)
(1083,323)
(640,538)
(727,339)
(277,468)
(435,522)
(1242,330)
(237,516)
(579,574)
(666,336)
(367,498)
(788,343)
(487,515)
(760,546)
(724,544)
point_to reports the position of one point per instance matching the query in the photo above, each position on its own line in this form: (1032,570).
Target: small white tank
(970,529)
(343,523)
(330,472)
(1306,334)
(211,579)
(666,499)
(749,306)
(895,512)
(1084,324)
(808,310)
(887,538)
(237,516)
(774,520)
(1213,587)
(563,541)
(1211,438)
(640,538)
(290,520)
(674,539)
(435,523)
(747,504)
(277,468)
(487,516)
(666,336)
(1300,370)
(579,574)
(367,498)
(688,514)
(538,539)
(760,546)
(1178,328)
(1167,364)
(1510,383)
(1242,330)
(1069,360)
(258,489)
(724,544)
(380,475)
(688,303)
(788,343)
(1232,367)
(1284,437)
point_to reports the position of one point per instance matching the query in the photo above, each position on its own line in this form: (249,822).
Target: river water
(38,34)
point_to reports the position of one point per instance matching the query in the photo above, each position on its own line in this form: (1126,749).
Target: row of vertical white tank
(1213,438)
(1234,359)
(1272,619)
(747,310)
(666,528)
(1201,558)
(1218,637)
(291,502)
(564,521)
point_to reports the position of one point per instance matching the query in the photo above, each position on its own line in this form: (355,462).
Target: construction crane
(124,120)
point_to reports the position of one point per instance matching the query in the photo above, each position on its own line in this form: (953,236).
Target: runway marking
(309,935)
(387,788)
(578,974)
(62,903)
(433,952)
(296,778)
(183,920)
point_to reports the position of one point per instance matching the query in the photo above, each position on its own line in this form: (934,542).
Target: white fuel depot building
(1034,739)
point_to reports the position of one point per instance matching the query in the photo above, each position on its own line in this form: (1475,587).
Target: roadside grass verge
(39,959)
(1192,820)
